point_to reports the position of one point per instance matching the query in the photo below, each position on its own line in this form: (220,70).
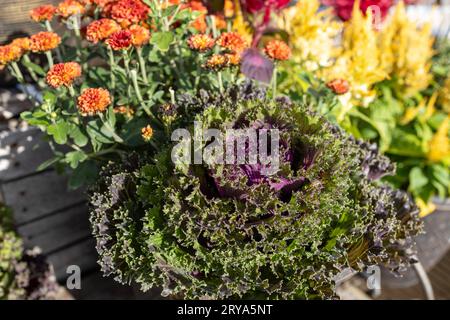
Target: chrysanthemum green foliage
(223,231)
(24,274)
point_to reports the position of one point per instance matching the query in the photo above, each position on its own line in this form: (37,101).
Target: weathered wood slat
(39,195)
(58,230)
(21,152)
(95,286)
(14,16)
(83,254)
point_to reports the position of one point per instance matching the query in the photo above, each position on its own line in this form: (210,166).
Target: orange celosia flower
(23,43)
(63,74)
(339,86)
(140,35)
(147,133)
(217,62)
(232,41)
(120,40)
(277,50)
(128,12)
(69,8)
(9,53)
(93,100)
(200,42)
(44,41)
(101,29)
(43,13)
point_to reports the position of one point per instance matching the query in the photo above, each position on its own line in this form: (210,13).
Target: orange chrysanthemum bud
(200,42)
(125,110)
(23,43)
(232,41)
(43,13)
(216,62)
(69,8)
(140,35)
(120,40)
(9,53)
(339,86)
(44,41)
(277,50)
(93,100)
(147,133)
(101,29)
(128,12)
(63,74)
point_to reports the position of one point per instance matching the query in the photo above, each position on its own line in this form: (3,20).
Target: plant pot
(431,246)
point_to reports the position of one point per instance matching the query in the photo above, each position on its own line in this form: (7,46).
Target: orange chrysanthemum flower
(200,42)
(147,133)
(120,40)
(43,13)
(217,62)
(44,41)
(277,50)
(200,23)
(232,41)
(220,22)
(9,53)
(101,29)
(339,86)
(93,100)
(234,59)
(102,3)
(139,35)
(128,12)
(69,8)
(23,43)
(63,74)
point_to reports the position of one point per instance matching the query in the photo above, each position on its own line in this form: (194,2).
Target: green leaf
(34,119)
(162,40)
(417,179)
(86,173)
(111,117)
(59,131)
(97,132)
(78,137)
(49,97)
(75,157)
(44,165)
(36,68)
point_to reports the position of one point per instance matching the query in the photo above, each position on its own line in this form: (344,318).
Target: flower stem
(219,78)
(133,74)
(27,60)
(112,65)
(49,58)
(142,65)
(274,83)
(48,26)
(71,91)
(110,129)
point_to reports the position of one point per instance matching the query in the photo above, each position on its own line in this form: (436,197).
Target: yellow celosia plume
(439,146)
(312,33)
(406,52)
(359,62)
(444,96)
